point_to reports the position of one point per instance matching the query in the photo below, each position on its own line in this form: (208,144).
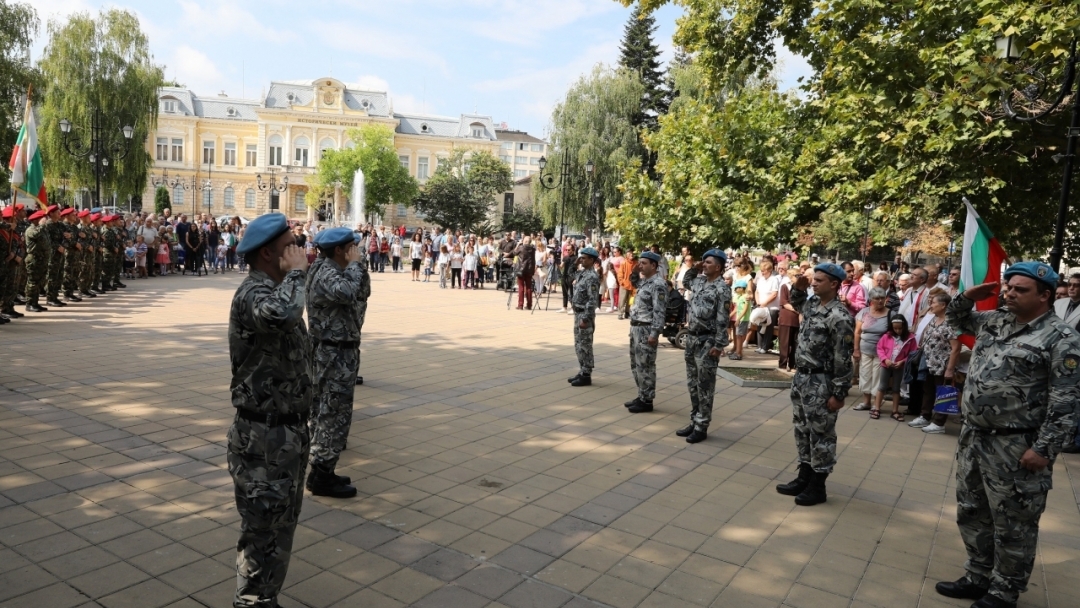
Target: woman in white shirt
(416,254)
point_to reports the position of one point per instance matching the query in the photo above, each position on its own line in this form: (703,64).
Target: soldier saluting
(334,283)
(821,382)
(586,300)
(646,323)
(1019,410)
(709,308)
(271,391)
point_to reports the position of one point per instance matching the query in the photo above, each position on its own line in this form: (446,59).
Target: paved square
(485,479)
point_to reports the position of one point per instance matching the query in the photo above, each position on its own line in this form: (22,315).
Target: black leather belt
(579,310)
(816,370)
(639,323)
(704,332)
(272,419)
(352,344)
(1004,431)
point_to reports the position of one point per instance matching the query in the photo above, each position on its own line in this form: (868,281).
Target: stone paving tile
(483,479)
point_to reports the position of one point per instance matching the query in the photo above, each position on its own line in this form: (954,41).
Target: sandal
(735,357)
(875,413)
(897,416)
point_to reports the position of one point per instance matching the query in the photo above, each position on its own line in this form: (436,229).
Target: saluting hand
(802,283)
(354,254)
(981,292)
(293,258)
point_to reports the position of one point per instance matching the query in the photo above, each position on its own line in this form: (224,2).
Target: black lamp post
(272,185)
(566,182)
(173,184)
(208,186)
(866,233)
(103,148)
(1008,48)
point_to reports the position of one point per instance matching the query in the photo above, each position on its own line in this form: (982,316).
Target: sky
(512,60)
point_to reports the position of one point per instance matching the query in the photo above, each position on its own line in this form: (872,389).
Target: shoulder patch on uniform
(1071,362)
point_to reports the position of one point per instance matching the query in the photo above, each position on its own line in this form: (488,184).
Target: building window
(299,204)
(300,155)
(506,159)
(230,154)
(534,161)
(177,196)
(519,173)
(402,211)
(478,132)
(162,149)
(208,152)
(422,168)
(276,143)
(523,147)
(249,198)
(508,145)
(251,155)
(208,197)
(177,150)
(325,146)
(404,159)
(168,106)
(537,147)
(519,160)
(228,200)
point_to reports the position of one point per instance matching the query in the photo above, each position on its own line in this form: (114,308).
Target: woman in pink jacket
(893,350)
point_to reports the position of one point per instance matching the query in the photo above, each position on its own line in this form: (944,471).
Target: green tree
(639,54)
(594,122)
(102,64)
(18,22)
(462,192)
(523,219)
(386,181)
(161,199)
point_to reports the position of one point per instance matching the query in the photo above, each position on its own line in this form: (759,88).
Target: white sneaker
(570,312)
(861,407)
(610,310)
(599,310)
(918,423)
(561,310)
(933,429)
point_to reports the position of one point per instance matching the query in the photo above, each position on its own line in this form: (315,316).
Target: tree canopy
(640,55)
(386,181)
(99,63)
(462,192)
(19,22)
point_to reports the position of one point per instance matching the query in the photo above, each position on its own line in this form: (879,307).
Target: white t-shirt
(763,286)
(470,262)
(416,250)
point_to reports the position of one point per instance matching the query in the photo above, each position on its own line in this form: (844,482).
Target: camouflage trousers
(700,379)
(7,284)
(815,425)
(20,278)
(998,506)
(583,342)
(86,271)
(37,268)
(333,374)
(267,465)
(643,361)
(71,270)
(109,268)
(54,275)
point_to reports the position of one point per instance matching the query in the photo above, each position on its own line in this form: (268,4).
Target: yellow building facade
(210,152)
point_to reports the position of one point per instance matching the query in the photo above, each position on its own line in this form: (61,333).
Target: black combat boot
(71,297)
(814,494)
(4,319)
(697,436)
(12,313)
(33,306)
(582,380)
(685,431)
(641,407)
(119,284)
(961,589)
(88,293)
(797,485)
(55,302)
(571,380)
(633,402)
(323,482)
(992,601)
(20,299)
(359,380)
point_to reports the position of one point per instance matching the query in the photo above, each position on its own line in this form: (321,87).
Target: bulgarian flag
(27,173)
(982,260)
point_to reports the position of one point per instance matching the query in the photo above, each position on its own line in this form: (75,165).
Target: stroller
(507,279)
(675,318)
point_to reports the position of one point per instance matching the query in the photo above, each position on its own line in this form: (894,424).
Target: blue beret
(589,251)
(332,237)
(1034,270)
(648,255)
(262,231)
(832,270)
(716,253)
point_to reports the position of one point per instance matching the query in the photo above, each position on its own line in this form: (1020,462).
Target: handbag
(947,401)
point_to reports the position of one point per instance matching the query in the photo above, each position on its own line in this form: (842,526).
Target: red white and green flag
(27,172)
(983,257)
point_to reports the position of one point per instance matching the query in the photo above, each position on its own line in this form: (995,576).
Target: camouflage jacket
(709,308)
(109,243)
(331,300)
(268,345)
(826,339)
(8,244)
(38,243)
(57,230)
(650,304)
(1020,376)
(586,293)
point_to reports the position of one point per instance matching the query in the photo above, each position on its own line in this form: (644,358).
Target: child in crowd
(443,263)
(471,263)
(741,318)
(129,259)
(222,254)
(893,349)
(456,261)
(395,254)
(163,258)
(140,257)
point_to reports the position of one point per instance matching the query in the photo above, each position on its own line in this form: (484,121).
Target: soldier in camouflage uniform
(361,306)
(1019,411)
(646,323)
(86,262)
(58,235)
(21,226)
(333,285)
(9,264)
(38,251)
(709,310)
(821,382)
(72,254)
(109,253)
(99,254)
(118,259)
(585,299)
(271,391)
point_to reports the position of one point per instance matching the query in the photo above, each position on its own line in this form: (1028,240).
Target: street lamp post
(272,185)
(173,184)
(102,149)
(1008,49)
(566,182)
(208,187)
(866,233)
